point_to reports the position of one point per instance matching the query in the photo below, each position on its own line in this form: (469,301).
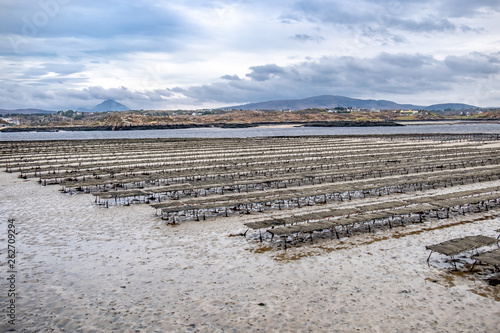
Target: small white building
(11,121)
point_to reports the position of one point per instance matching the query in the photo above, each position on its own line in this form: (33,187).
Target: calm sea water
(255,132)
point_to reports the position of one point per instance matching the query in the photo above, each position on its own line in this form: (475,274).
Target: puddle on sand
(262,249)
(488,292)
(284,256)
(479,278)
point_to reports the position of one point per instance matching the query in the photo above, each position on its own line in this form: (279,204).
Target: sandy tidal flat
(83,268)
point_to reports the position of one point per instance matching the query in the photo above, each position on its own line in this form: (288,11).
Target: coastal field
(297,234)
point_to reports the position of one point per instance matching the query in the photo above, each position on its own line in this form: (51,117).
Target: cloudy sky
(62,54)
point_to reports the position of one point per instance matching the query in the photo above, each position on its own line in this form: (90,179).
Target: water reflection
(254,132)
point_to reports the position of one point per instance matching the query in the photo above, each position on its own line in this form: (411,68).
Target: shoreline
(352,123)
(447,122)
(190,126)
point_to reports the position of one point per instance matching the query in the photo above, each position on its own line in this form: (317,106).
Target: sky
(165,55)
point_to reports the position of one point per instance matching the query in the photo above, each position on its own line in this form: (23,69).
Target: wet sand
(83,268)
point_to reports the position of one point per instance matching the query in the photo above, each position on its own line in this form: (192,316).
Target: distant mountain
(330,102)
(449,106)
(323,102)
(24,111)
(109,105)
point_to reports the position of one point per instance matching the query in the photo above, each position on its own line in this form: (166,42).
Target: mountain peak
(110,105)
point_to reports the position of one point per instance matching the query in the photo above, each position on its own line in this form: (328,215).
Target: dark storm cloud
(466,8)
(307,38)
(103,27)
(56,18)
(386,73)
(230,77)
(410,16)
(425,25)
(265,72)
(475,64)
